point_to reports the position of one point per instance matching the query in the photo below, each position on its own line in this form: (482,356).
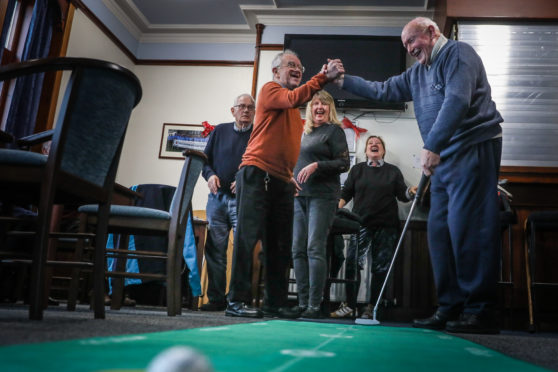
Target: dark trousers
(266,214)
(377,244)
(464,229)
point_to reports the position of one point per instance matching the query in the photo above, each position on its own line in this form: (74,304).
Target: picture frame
(175,138)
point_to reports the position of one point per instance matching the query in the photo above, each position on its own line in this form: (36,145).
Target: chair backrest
(180,205)
(93,119)
(153,195)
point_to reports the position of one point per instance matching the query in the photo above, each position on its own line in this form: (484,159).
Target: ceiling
(171,18)
(226,29)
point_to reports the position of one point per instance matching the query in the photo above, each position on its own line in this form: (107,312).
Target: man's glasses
(294,66)
(245,107)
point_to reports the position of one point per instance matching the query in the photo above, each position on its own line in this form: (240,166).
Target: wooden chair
(539,271)
(81,166)
(345,222)
(25,143)
(508,218)
(128,220)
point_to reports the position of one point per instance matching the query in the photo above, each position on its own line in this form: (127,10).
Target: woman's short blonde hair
(326,99)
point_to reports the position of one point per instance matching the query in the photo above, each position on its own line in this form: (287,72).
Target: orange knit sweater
(275,141)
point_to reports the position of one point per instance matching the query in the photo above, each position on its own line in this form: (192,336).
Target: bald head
(419,37)
(422,23)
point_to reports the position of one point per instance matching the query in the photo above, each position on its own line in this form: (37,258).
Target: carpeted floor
(234,344)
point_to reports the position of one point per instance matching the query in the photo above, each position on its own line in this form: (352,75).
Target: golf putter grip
(422,186)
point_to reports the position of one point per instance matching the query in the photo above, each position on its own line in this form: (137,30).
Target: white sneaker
(344,311)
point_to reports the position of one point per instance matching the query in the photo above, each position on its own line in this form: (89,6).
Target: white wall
(171,94)
(402,138)
(87,40)
(180,95)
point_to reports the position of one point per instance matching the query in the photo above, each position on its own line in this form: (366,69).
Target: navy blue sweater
(224,153)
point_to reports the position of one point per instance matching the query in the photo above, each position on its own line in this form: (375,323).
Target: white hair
(279,58)
(243,95)
(423,23)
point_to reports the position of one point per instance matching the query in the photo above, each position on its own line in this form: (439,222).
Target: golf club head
(369,322)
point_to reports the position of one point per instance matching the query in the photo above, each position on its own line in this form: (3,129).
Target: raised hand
(334,69)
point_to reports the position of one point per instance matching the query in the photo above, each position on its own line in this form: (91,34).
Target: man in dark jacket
(224,150)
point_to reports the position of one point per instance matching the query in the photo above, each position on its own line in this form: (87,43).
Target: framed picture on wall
(178,137)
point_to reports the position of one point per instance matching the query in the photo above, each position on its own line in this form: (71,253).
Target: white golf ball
(179,359)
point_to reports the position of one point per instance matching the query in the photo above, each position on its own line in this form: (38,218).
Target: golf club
(423,184)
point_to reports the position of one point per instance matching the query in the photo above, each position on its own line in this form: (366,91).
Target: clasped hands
(333,69)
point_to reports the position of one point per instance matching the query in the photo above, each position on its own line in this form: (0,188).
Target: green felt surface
(270,346)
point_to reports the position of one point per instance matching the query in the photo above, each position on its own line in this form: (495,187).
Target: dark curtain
(27,92)
(6,27)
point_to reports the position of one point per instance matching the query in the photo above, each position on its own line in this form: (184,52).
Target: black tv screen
(374,58)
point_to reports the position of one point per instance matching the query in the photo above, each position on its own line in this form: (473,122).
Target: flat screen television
(374,58)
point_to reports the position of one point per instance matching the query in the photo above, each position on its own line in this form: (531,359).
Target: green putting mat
(270,346)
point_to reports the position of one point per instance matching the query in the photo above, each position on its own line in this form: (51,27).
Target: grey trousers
(312,220)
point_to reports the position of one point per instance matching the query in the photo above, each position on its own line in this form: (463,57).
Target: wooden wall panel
(447,12)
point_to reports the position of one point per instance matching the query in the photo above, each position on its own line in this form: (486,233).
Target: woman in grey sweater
(323,157)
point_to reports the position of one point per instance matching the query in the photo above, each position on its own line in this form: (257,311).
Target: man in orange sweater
(264,187)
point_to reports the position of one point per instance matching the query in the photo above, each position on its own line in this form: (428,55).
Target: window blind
(521,61)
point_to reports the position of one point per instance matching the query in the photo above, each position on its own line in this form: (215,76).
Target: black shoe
(299,309)
(474,323)
(312,312)
(270,312)
(280,312)
(213,306)
(437,321)
(240,309)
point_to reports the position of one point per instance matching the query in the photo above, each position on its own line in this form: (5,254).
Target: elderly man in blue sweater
(224,151)
(460,127)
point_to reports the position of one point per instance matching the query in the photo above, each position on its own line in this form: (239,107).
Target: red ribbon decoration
(348,124)
(207,128)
